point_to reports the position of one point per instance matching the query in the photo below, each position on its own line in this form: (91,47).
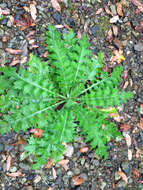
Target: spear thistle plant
(55,98)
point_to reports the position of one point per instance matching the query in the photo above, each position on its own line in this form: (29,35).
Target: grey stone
(1,148)
(138,46)
(3,5)
(24,166)
(126,167)
(9,24)
(76,171)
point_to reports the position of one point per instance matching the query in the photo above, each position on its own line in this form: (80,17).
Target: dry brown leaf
(128,140)
(20,140)
(135,173)
(25,22)
(79,34)
(14,51)
(108,11)
(31,33)
(125,74)
(56,5)
(33,11)
(66,26)
(85,27)
(59,26)
(118,57)
(99,11)
(77,180)
(8,163)
(54,173)
(141,109)
(37,179)
(129,154)
(37,132)
(109,35)
(15,61)
(4,39)
(140,125)
(84,149)
(126,84)
(11,18)
(15,174)
(123,175)
(49,163)
(115,30)
(64,163)
(119,9)
(5,11)
(0,12)
(124,127)
(138,4)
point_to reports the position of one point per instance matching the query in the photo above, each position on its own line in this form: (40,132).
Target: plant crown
(68,91)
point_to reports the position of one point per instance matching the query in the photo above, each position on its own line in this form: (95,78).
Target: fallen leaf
(37,132)
(54,173)
(25,22)
(140,125)
(115,30)
(59,26)
(14,51)
(85,27)
(109,35)
(123,175)
(5,11)
(15,174)
(37,179)
(66,26)
(0,12)
(126,84)
(99,11)
(114,19)
(135,173)
(33,11)
(20,140)
(56,5)
(108,11)
(11,18)
(4,39)
(141,109)
(128,140)
(49,163)
(84,149)
(125,74)
(15,61)
(77,180)
(119,9)
(117,43)
(64,163)
(118,57)
(124,127)
(31,33)
(138,4)
(79,34)
(129,154)
(8,163)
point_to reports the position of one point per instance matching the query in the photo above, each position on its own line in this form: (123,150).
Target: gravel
(97,174)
